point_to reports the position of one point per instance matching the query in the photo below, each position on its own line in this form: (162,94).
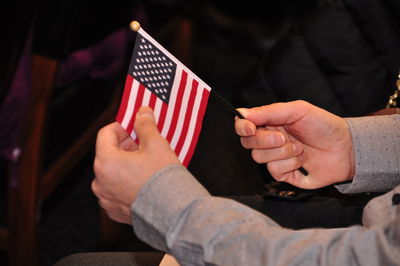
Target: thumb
(146,128)
(276,114)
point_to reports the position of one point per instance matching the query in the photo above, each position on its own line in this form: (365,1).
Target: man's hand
(287,136)
(122,167)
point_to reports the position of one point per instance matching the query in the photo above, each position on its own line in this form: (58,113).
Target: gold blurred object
(134,25)
(393,98)
(287,193)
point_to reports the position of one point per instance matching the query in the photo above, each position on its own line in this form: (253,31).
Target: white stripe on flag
(193,122)
(183,112)
(133,134)
(157,109)
(146,98)
(172,100)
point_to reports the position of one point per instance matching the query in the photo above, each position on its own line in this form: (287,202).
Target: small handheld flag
(178,97)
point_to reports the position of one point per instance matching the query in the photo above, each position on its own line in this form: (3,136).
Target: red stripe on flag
(138,104)
(125,98)
(152,102)
(197,130)
(178,103)
(163,114)
(188,115)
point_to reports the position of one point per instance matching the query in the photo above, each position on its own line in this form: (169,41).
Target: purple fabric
(103,60)
(13,108)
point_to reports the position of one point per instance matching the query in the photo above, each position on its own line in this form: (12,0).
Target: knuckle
(126,211)
(96,166)
(102,131)
(258,140)
(298,161)
(302,103)
(286,151)
(102,204)
(100,168)
(95,188)
(292,163)
(272,168)
(264,139)
(112,216)
(257,156)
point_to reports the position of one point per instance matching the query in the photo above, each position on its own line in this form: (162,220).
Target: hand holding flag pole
(235,112)
(177,96)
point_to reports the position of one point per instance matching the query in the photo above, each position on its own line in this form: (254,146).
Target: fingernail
(144,110)
(279,139)
(250,130)
(243,111)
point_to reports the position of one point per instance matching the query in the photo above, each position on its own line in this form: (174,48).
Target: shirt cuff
(376,142)
(161,202)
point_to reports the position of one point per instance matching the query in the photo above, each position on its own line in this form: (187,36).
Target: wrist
(351,156)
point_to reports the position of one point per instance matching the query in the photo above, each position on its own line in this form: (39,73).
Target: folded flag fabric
(177,96)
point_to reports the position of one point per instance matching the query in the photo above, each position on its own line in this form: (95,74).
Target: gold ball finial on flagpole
(135,26)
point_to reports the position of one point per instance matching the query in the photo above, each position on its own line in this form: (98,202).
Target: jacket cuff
(375,139)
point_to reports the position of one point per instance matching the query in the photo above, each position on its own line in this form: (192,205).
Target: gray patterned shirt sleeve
(174,213)
(376,141)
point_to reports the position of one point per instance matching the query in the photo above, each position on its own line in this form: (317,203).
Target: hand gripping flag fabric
(177,96)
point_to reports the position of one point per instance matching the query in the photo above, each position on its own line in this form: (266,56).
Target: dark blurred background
(63,69)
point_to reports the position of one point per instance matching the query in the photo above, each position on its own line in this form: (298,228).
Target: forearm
(176,214)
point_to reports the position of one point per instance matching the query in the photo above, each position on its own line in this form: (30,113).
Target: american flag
(177,96)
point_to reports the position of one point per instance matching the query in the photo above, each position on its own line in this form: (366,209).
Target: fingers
(284,152)
(97,189)
(277,113)
(110,136)
(112,207)
(116,212)
(281,170)
(263,139)
(128,144)
(119,218)
(245,128)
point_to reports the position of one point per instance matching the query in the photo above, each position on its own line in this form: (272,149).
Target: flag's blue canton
(152,68)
